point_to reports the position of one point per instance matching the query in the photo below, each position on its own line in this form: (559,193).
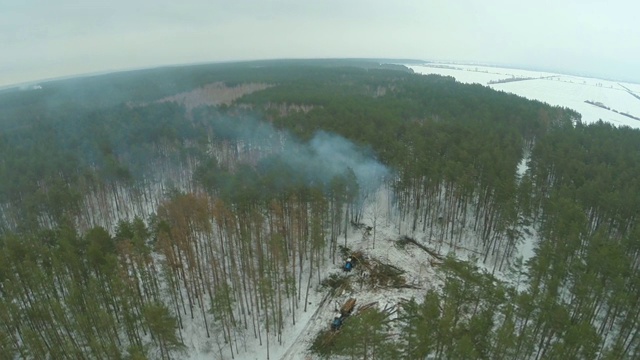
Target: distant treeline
(601,105)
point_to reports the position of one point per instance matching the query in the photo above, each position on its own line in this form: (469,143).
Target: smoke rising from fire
(318,161)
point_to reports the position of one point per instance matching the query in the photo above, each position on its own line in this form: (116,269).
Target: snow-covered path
(300,344)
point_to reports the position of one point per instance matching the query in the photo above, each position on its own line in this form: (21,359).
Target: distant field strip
(515,79)
(215,94)
(603,106)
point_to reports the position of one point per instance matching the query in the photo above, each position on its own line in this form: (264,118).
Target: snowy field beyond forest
(555,89)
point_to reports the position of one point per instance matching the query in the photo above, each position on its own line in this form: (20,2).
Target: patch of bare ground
(380,90)
(215,94)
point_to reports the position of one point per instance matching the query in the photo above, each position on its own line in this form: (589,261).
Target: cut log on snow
(348,306)
(367,306)
(407,239)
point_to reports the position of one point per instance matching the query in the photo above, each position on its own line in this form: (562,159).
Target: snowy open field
(555,89)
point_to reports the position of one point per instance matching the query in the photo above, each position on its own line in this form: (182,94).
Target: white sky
(43,38)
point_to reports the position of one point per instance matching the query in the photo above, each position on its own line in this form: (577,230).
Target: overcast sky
(43,38)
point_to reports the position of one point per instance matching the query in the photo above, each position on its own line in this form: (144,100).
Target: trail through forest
(300,344)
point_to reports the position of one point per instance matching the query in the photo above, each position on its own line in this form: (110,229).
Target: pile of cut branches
(338,283)
(386,275)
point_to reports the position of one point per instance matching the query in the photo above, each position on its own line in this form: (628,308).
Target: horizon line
(21,84)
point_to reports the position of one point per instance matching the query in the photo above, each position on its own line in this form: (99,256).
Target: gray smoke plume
(318,161)
(336,155)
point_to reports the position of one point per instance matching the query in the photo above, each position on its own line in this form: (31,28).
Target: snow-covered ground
(555,89)
(294,338)
(297,339)
(420,273)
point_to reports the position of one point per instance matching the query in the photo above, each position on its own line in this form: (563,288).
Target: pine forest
(143,208)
